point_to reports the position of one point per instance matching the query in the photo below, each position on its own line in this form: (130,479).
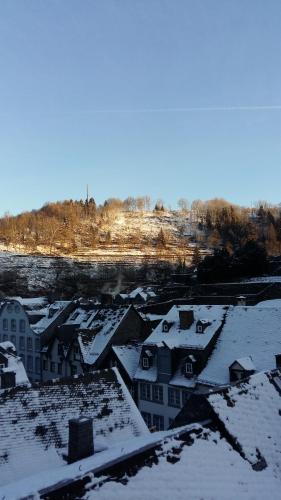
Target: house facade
(15,327)
(172,358)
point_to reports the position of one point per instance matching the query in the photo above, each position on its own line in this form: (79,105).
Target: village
(96,388)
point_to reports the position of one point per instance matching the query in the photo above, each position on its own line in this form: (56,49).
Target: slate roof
(253,331)
(102,328)
(177,337)
(57,307)
(34,421)
(129,356)
(251,414)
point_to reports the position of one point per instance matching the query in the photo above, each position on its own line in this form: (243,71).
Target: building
(28,339)
(84,341)
(36,424)
(172,358)
(139,295)
(251,338)
(230,448)
(12,371)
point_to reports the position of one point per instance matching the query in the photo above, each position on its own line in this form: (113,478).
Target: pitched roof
(34,421)
(177,337)
(51,314)
(251,414)
(248,331)
(15,363)
(245,363)
(103,327)
(129,356)
(199,464)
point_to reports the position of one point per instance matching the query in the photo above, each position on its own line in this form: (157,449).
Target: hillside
(120,237)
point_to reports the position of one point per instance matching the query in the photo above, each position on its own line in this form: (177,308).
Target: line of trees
(71,224)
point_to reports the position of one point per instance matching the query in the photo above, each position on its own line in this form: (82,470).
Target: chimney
(278,361)
(186,319)
(81,441)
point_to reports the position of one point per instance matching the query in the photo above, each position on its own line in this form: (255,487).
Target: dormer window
(145,362)
(165,326)
(199,329)
(188,368)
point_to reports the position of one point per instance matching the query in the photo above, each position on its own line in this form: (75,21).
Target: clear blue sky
(81,82)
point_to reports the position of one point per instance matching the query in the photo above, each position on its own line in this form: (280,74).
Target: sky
(170,98)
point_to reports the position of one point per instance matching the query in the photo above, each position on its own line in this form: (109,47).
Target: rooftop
(37,434)
(188,338)
(248,332)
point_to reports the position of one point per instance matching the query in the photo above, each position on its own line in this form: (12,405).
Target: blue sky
(114,93)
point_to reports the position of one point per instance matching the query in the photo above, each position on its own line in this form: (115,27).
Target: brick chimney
(81,441)
(186,319)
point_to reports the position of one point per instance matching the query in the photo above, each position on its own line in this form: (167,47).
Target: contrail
(190,109)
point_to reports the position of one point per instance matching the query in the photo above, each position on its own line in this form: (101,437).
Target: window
(147,418)
(22,343)
(158,422)
(174,397)
(165,327)
(145,362)
(199,329)
(37,365)
(17,308)
(53,366)
(45,364)
(59,368)
(157,393)
(13,325)
(145,392)
(22,325)
(37,345)
(22,356)
(188,368)
(5,337)
(29,343)
(13,339)
(30,363)
(5,324)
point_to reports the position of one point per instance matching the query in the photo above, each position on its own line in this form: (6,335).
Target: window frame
(157,394)
(145,391)
(145,362)
(174,397)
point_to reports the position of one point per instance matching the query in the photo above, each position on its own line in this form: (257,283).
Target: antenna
(87,197)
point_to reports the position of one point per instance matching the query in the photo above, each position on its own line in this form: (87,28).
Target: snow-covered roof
(52,312)
(31,303)
(248,331)
(15,363)
(145,293)
(246,363)
(250,412)
(188,338)
(129,356)
(103,327)
(34,421)
(81,317)
(198,465)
